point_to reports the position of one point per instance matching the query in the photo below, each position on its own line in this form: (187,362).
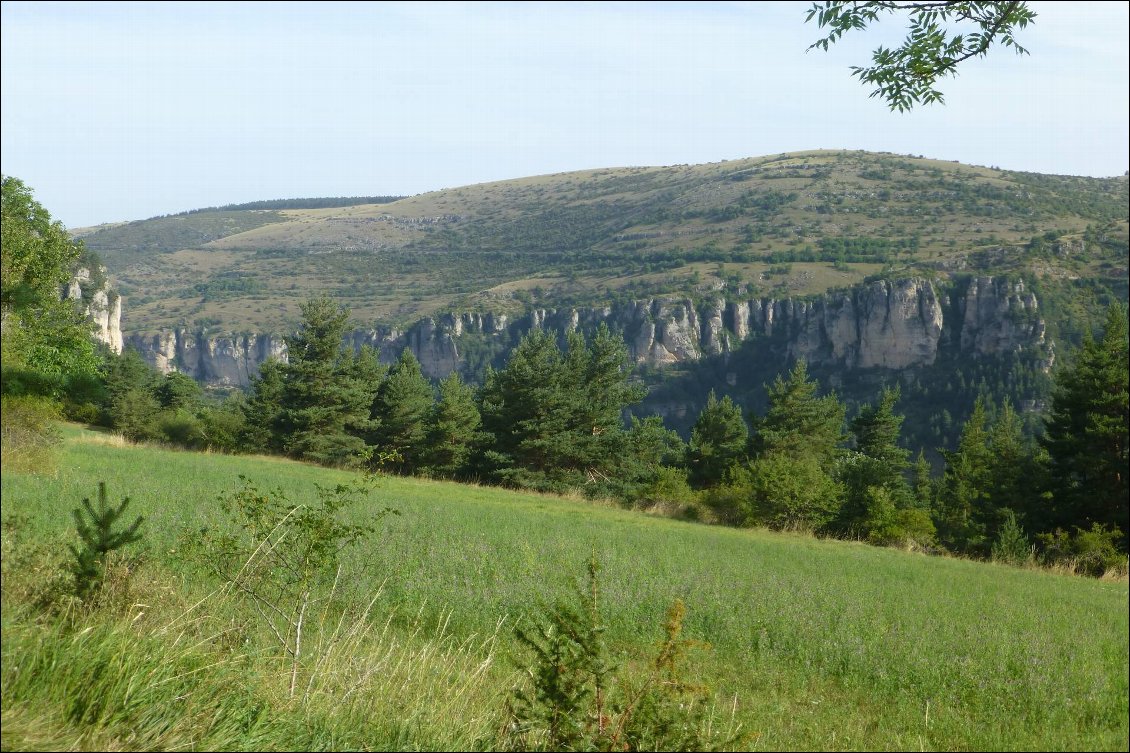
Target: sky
(123,111)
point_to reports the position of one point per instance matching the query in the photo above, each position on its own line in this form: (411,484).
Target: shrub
(578,702)
(283,555)
(1012,546)
(180,427)
(29,435)
(1092,552)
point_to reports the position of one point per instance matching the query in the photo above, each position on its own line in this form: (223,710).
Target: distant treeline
(322,203)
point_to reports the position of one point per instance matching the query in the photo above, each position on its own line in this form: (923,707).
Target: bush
(578,702)
(181,428)
(888,525)
(28,433)
(1092,552)
(283,555)
(223,426)
(136,414)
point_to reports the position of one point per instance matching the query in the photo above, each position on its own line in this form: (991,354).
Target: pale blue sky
(124,111)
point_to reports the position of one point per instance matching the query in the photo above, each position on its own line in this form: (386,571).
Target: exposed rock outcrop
(102,305)
(225,360)
(881,325)
(999,317)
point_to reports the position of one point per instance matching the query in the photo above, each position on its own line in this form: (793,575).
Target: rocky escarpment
(101,305)
(225,360)
(881,325)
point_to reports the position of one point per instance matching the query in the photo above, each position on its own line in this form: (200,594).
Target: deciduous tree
(941,36)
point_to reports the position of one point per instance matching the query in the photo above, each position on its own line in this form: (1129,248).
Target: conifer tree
(96,531)
(878,463)
(718,441)
(400,410)
(555,418)
(179,392)
(798,438)
(923,483)
(963,503)
(599,390)
(452,428)
(325,408)
(1086,438)
(798,423)
(262,409)
(1012,472)
(129,371)
(525,409)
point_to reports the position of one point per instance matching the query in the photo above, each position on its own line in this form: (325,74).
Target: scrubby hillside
(586,237)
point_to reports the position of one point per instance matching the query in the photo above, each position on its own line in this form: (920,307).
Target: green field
(814,644)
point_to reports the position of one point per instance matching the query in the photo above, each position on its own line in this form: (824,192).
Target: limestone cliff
(102,305)
(881,325)
(224,360)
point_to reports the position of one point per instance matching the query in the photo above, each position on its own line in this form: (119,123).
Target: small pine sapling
(96,530)
(570,673)
(1012,546)
(577,701)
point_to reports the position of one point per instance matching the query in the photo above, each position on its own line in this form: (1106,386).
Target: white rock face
(102,306)
(227,360)
(901,327)
(1000,317)
(885,324)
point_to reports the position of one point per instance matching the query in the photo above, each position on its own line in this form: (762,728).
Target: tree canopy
(940,36)
(1087,435)
(46,341)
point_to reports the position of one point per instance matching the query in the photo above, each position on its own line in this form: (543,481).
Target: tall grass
(103,684)
(817,644)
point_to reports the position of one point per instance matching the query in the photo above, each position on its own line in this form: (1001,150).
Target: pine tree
(798,423)
(262,409)
(400,410)
(129,371)
(788,492)
(923,483)
(1086,437)
(452,428)
(526,411)
(555,418)
(796,446)
(963,503)
(878,463)
(132,406)
(601,393)
(179,392)
(325,407)
(718,441)
(1012,471)
(96,531)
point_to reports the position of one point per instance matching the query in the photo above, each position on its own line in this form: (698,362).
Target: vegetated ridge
(787,225)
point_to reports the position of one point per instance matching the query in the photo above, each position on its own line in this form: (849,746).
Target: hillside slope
(814,644)
(587,237)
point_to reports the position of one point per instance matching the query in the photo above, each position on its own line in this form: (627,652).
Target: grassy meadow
(812,644)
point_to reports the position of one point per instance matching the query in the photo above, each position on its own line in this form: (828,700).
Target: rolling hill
(791,224)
